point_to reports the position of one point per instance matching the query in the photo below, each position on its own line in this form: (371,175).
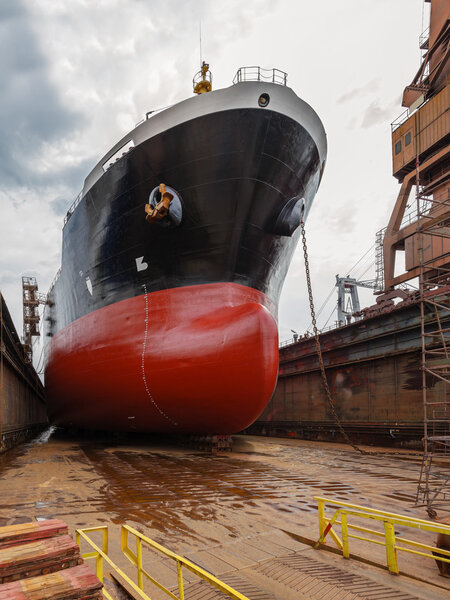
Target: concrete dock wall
(22,402)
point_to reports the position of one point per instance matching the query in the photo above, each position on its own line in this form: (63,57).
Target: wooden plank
(28,532)
(38,558)
(71,584)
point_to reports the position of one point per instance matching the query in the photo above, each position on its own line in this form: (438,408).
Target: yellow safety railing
(392,542)
(101,554)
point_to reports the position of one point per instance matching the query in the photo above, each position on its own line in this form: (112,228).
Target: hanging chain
(319,349)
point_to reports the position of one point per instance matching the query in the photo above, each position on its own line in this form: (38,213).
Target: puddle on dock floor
(176,492)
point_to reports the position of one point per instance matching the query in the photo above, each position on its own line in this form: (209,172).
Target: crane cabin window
(408,138)
(398,147)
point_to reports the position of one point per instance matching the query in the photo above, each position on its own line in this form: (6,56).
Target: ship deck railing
(309,334)
(55,279)
(404,116)
(259,74)
(75,203)
(424,39)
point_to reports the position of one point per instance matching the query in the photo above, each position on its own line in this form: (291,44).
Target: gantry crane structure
(421,163)
(349,285)
(31,299)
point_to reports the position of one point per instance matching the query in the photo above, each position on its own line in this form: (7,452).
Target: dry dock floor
(244,516)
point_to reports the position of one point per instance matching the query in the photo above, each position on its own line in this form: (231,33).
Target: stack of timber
(40,560)
(23,411)
(374,372)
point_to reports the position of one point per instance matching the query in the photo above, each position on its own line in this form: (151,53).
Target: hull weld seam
(144,346)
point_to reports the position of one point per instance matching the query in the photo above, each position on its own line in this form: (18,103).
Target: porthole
(263,100)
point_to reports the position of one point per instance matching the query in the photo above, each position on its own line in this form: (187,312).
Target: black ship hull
(243,177)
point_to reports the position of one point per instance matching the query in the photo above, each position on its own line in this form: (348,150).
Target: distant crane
(349,285)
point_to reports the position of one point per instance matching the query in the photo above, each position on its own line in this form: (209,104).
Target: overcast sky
(76,75)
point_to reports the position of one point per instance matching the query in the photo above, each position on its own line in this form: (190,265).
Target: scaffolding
(31,298)
(433,222)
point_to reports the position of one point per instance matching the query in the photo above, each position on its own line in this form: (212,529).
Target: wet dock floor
(233,514)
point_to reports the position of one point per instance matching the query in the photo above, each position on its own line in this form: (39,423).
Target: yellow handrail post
(105,540)
(329,530)
(180,580)
(99,566)
(139,562)
(322,522)
(391,552)
(344,528)
(123,538)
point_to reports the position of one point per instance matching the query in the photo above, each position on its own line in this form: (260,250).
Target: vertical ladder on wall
(379,261)
(433,489)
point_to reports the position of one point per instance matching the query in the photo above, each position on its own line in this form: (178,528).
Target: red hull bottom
(198,359)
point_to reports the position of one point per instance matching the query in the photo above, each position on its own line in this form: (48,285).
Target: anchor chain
(319,349)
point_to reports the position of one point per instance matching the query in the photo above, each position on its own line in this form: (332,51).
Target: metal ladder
(433,490)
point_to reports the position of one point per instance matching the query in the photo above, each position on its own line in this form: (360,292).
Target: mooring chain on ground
(319,349)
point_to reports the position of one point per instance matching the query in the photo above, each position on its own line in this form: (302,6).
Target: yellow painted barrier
(392,543)
(101,554)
